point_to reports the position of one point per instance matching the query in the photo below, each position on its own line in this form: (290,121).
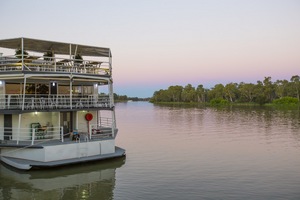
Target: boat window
(11,88)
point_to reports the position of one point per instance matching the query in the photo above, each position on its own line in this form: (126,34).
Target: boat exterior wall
(78,150)
(83,123)
(23,153)
(62,152)
(49,119)
(44,118)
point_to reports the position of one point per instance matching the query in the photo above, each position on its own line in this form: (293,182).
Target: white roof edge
(63,48)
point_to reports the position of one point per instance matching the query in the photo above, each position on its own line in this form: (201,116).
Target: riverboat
(56,104)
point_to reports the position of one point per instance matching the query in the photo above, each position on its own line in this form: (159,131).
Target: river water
(180,153)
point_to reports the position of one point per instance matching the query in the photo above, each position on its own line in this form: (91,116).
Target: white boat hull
(58,155)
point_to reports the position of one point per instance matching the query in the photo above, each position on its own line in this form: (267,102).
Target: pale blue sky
(158,43)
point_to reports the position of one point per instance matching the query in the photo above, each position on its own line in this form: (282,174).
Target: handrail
(54,64)
(30,134)
(104,125)
(53,102)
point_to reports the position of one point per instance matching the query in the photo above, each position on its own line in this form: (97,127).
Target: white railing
(105,122)
(52,102)
(42,135)
(31,135)
(104,127)
(54,64)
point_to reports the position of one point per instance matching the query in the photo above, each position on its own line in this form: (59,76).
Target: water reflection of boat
(69,182)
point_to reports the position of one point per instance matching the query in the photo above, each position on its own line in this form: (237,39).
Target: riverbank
(228,104)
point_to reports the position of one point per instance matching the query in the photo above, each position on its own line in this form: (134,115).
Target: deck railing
(105,127)
(54,64)
(52,102)
(105,122)
(44,135)
(31,135)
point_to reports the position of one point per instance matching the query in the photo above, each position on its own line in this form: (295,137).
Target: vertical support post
(90,131)
(99,118)
(70,51)
(54,64)
(22,51)
(62,133)
(32,136)
(71,85)
(111,93)
(113,125)
(111,105)
(19,126)
(95,96)
(24,89)
(18,136)
(110,63)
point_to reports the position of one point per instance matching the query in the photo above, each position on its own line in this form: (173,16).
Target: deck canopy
(43,46)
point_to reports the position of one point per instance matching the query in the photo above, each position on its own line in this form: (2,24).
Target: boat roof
(43,46)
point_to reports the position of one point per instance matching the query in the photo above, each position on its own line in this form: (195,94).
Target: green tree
(217,92)
(231,91)
(281,88)
(160,96)
(188,93)
(263,92)
(269,89)
(260,97)
(175,93)
(201,93)
(296,85)
(247,91)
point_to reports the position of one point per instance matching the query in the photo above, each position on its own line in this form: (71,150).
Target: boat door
(7,126)
(53,88)
(66,122)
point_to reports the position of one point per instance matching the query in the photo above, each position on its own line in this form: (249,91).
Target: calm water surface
(181,153)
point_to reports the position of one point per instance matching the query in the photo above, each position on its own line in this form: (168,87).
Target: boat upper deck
(40,56)
(39,75)
(36,64)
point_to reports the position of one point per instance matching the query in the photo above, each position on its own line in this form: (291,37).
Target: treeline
(262,92)
(126,98)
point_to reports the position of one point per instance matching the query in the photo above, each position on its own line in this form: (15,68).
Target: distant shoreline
(196,104)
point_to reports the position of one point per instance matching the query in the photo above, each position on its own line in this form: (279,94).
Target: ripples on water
(194,153)
(187,153)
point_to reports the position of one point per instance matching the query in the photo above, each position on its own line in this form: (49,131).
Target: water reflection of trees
(232,119)
(85,181)
(269,121)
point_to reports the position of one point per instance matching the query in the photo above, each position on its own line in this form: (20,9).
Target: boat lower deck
(28,164)
(50,142)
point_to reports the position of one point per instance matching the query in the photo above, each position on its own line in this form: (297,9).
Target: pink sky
(160,43)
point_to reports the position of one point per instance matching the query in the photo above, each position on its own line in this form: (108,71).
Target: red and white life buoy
(88,116)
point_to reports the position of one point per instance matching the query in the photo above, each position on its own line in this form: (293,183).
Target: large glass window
(63,89)
(37,88)
(11,88)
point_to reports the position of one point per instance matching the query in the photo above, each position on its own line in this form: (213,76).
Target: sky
(159,43)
